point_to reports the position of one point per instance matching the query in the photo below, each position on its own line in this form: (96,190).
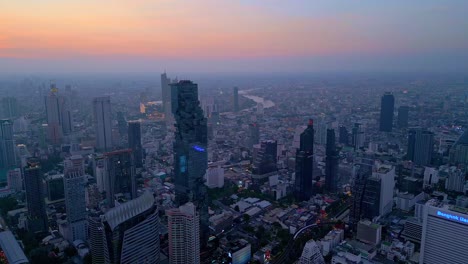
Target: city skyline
(241,36)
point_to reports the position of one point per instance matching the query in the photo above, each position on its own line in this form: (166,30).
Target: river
(257,99)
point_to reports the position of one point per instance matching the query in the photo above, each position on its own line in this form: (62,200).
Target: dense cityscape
(233,132)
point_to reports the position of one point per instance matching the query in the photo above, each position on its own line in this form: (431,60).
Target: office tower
(15,180)
(131,232)
(9,107)
(311,254)
(331,163)
(403,113)
(455,180)
(357,137)
(122,124)
(119,175)
(166,97)
(7,145)
(344,135)
(54,187)
(103,123)
(459,150)
(444,235)
(235,99)
(357,209)
(265,160)
(215,177)
(209,107)
(254,134)
(190,151)
(369,232)
(386,112)
(240,251)
(304,164)
(53,106)
(378,193)
(184,234)
(420,146)
(66,114)
(134,142)
(75,200)
(37,216)
(96,237)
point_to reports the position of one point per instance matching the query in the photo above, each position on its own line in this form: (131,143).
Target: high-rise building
(235,99)
(15,180)
(311,254)
(344,135)
(420,146)
(369,232)
(378,193)
(53,106)
(37,216)
(304,164)
(103,123)
(134,142)
(66,114)
(131,232)
(254,134)
(357,137)
(265,160)
(7,145)
(96,237)
(75,199)
(166,97)
(119,175)
(444,234)
(331,163)
(190,151)
(184,234)
(386,112)
(459,150)
(358,209)
(455,180)
(403,113)
(122,124)
(9,108)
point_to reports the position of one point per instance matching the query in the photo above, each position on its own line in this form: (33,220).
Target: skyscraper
(361,173)
(344,135)
(254,134)
(134,142)
(331,163)
(75,200)
(9,107)
(184,240)
(131,232)
(166,97)
(403,113)
(7,145)
(304,164)
(53,106)
(37,216)
(190,153)
(386,112)
(235,99)
(119,175)
(357,137)
(103,123)
(420,146)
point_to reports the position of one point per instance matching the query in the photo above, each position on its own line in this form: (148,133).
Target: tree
(237,208)
(7,204)
(246,217)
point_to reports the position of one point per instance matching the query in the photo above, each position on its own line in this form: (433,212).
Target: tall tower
(119,173)
(235,99)
(304,164)
(131,232)
(331,163)
(403,113)
(386,112)
(254,134)
(190,153)
(37,216)
(134,142)
(103,123)
(7,144)
(75,200)
(9,107)
(53,106)
(420,146)
(166,97)
(184,240)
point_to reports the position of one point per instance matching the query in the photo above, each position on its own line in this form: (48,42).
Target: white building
(331,240)
(214,177)
(184,234)
(456,180)
(386,174)
(369,232)
(103,122)
(311,254)
(431,176)
(445,234)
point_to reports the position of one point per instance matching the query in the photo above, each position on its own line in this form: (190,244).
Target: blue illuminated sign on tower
(198,148)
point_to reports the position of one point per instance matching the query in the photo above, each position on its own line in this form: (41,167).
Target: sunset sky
(233,35)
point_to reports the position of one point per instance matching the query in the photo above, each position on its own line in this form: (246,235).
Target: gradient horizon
(227,36)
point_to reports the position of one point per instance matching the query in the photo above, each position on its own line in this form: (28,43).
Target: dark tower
(403,112)
(344,135)
(190,151)
(254,134)
(331,163)
(386,112)
(304,164)
(420,146)
(134,142)
(120,172)
(37,216)
(235,99)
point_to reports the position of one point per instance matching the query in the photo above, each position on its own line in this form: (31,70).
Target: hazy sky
(233,35)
